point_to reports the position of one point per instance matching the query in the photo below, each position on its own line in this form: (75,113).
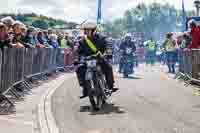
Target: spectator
(64,42)
(185,41)
(195,33)
(54,41)
(179,40)
(68,41)
(46,38)
(8,21)
(4,38)
(17,28)
(50,32)
(170,48)
(29,38)
(40,43)
(151,51)
(24,30)
(60,38)
(17,36)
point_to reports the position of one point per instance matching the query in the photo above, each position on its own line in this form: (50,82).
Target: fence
(190,63)
(17,64)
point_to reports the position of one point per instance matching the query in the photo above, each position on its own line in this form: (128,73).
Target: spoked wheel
(95,97)
(94,100)
(98,98)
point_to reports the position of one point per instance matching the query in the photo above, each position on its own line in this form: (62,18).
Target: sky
(79,10)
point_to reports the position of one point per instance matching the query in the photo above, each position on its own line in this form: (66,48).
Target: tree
(152,20)
(20,17)
(72,25)
(40,24)
(128,21)
(52,23)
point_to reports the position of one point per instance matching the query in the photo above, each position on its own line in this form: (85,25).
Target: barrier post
(0,70)
(196,64)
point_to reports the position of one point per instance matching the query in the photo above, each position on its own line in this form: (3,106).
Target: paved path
(26,118)
(152,102)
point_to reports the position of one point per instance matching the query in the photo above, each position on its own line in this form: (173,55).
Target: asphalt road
(150,102)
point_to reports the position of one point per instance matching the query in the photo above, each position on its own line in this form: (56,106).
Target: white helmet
(89,25)
(128,35)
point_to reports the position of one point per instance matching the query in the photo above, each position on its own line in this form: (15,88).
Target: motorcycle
(96,84)
(128,63)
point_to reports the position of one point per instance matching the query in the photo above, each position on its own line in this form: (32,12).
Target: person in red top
(195,33)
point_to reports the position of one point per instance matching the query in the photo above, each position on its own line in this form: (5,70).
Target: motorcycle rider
(126,44)
(91,44)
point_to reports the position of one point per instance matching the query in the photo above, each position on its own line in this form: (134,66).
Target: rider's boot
(113,89)
(84,93)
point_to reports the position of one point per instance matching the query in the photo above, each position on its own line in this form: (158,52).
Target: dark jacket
(98,41)
(125,45)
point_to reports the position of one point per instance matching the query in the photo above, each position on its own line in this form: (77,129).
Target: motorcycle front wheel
(95,98)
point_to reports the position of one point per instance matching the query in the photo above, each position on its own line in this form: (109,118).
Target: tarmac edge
(46,119)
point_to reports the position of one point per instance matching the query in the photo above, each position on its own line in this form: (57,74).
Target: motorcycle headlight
(128,51)
(91,63)
(62,51)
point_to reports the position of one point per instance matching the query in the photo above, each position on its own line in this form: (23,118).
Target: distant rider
(127,44)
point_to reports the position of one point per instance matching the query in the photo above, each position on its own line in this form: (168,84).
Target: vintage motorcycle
(128,62)
(96,84)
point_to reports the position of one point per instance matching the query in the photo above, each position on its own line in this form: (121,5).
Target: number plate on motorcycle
(128,50)
(91,63)
(62,51)
(88,76)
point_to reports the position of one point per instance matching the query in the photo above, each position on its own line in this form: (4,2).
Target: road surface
(150,102)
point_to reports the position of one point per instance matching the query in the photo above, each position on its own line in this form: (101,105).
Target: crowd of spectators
(190,39)
(16,34)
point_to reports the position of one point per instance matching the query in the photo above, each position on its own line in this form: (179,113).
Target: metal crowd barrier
(18,63)
(196,64)
(189,64)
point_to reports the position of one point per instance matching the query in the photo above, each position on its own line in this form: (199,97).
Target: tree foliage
(32,19)
(153,20)
(40,24)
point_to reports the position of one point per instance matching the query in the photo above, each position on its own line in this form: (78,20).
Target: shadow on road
(196,106)
(107,109)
